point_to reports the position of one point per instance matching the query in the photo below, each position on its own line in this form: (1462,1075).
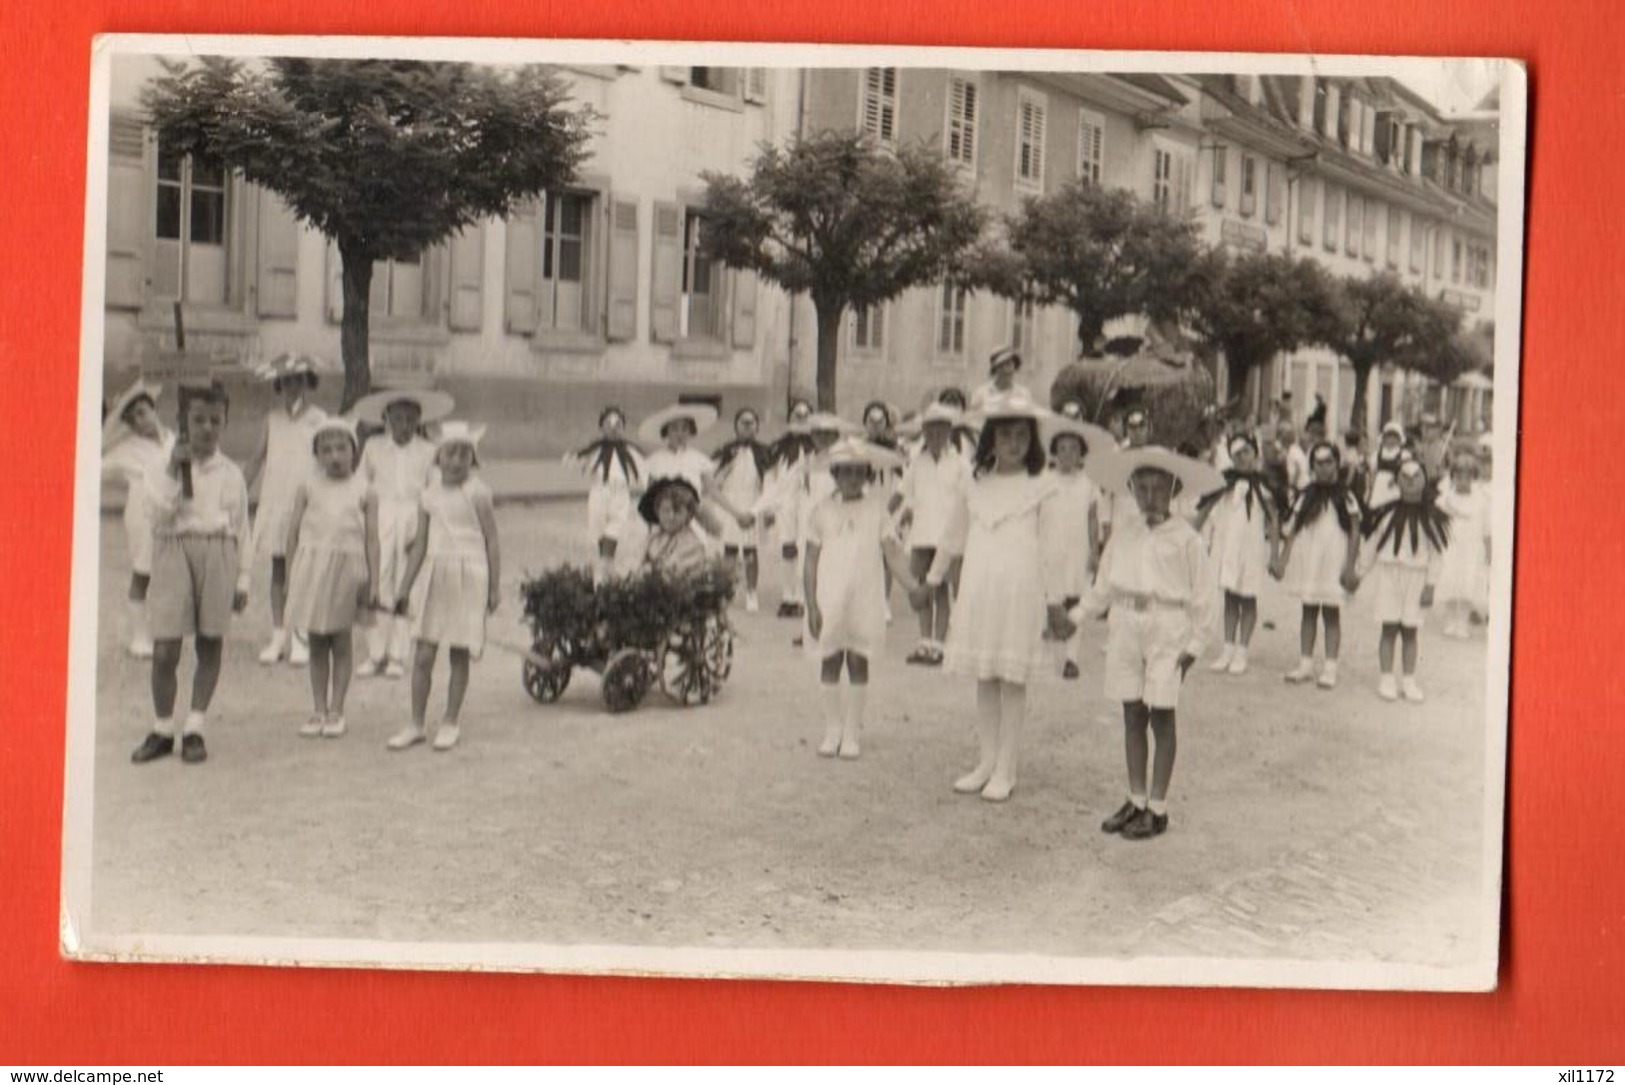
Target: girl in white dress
(1385,465)
(675,429)
(1074,503)
(1011,587)
(333,577)
(615,466)
(281,463)
(742,469)
(457,541)
(786,519)
(134,445)
(1404,542)
(880,428)
(1245,540)
(1464,571)
(801,487)
(1322,543)
(849,547)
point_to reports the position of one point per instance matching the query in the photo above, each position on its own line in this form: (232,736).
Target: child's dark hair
(304,376)
(794,403)
(876,405)
(742,412)
(1035,460)
(952,397)
(612,409)
(212,392)
(1065,435)
(124,415)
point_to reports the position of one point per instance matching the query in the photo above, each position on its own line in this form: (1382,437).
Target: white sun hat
(852,449)
(702,415)
(459,433)
(114,428)
(432,404)
(1113,470)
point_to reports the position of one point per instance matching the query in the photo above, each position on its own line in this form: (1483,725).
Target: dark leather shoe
(153,747)
(193,750)
(1145,826)
(1070,670)
(1124,815)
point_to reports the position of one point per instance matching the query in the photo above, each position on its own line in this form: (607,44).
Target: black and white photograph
(860,513)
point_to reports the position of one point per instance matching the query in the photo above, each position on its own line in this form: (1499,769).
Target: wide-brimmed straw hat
(649,503)
(1113,470)
(702,415)
(113,426)
(290,364)
(1096,439)
(459,433)
(934,413)
(1018,403)
(432,405)
(852,450)
(825,422)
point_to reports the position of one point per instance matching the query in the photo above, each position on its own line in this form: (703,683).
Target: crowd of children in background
(1005,523)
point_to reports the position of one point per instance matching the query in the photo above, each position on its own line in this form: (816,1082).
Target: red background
(1565,901)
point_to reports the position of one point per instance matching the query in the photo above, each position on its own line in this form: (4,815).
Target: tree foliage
(385,157)
(1381,321)
(1103,254)
(1257,305)
(850,225)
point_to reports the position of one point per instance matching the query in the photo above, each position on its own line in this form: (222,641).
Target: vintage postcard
(864,513)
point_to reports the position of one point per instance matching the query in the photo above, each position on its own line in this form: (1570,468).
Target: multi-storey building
(599,292)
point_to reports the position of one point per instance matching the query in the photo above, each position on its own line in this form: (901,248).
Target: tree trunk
(829,315)
(1236,368)
(355,273)
(1091,329)
(1362,384)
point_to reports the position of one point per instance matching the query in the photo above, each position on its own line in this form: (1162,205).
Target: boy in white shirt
(933,484)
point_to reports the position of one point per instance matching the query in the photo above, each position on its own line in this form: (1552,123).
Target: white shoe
(299,651)
(752,604)
(275,649)
(973,781)
(1388,688)
(1411,691)
(406,738)
(312,728)
(1238,662)
(333,728)
(888,613)
(446,737)
(394,670)
(832,742)
(1303,672)
(1328,675)
(370,668)
(1227,655)
(141,648)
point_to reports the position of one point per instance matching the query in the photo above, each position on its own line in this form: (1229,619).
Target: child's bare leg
(1246,619)
(1307,629)
(166,662)
(1333,617)
(320,649)
(1137,747)
(207,675)
(987,738)
(139,583)
(857,697)
(1409,648)
(753,568)
(918,566)
(1162,769)
(1232,616)
(457,685)
(422,679)
(943,598)
(829,677)
(279,590)
(1385,647)
(341,645)
(1007,756)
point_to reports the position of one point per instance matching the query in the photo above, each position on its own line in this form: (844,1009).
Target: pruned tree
(1257,305)
(384,157)
(1103,254)
(1381,321)
(835,217)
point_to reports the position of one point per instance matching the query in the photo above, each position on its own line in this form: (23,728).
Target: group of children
(400,537)
(1006,525)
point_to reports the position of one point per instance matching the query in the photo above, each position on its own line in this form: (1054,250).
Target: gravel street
(1305,823)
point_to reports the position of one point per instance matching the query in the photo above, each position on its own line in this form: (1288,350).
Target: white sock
(1158,807)
(194,723)
(1137,800)
(857,701)
(164,725)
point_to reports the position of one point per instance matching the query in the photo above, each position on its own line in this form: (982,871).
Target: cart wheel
(719,654)
(684,674)
(545,685)
(627,677)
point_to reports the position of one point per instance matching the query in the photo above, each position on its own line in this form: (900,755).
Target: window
(1356,125)
(951,319)
(1393,236)
(190,257)
(1249,185)
(1333,218)
(1478,265)
(1091,146)
(1368,243)
(1308,197)
(1455,260)
(1419,245)
(563,293)
(1023,324)
(1221,169)
(1272,192)
(1356,225)
(1030,110)
(1438,253)
(1171,179)
(962,112)
(399,289)
(869,328)
(718,80)
(699,311)
(878,104)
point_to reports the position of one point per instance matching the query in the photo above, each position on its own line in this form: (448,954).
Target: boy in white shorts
(1158,587)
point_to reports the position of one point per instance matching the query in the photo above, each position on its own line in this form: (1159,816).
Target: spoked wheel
(546,684)
(685,674)
(627,677)
(719,652)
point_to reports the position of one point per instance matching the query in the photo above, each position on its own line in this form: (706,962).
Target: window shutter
(522,269)
(1307,198)
(128,197)
(467,271)
(744,309)
(1272,193)
(1220,169)
(378,292)
(666,275)
(877,327)
(673,75)
(755,84)
(873,86)
(276,270)
(623,270)
(335,284)
(1184,167)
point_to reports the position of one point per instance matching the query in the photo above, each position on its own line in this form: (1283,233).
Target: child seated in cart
(674,547)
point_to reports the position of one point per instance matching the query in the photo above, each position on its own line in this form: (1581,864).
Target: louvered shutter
(666,274)
(623,269)
(466,273)
(1274,189)
(755,84)
(521,275)
(128,198)
(335,284)
(744,309)
(276,262)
